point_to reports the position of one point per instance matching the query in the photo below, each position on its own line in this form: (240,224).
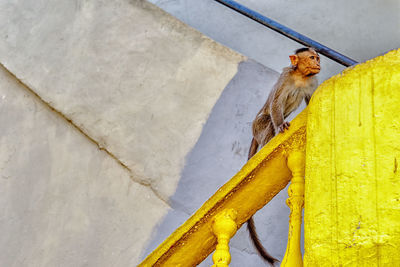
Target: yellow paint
(352,184)
(260,179)
(296,164)
(352,193)
(224,227)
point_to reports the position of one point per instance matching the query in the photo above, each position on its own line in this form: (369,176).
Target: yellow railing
(296,163)
(263,176)
(352,180)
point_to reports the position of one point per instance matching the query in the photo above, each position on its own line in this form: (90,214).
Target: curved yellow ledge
(352,193)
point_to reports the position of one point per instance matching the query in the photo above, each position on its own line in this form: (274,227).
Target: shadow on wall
(219,153)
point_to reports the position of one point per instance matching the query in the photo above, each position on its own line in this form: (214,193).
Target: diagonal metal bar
(304,40)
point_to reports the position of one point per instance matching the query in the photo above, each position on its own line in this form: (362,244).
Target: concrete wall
(64,202)
(123,72)
(102,104)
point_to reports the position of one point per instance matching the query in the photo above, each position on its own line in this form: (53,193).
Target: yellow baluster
(224,227)
(296,163)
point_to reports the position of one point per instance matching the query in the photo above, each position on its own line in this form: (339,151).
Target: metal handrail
(304,40)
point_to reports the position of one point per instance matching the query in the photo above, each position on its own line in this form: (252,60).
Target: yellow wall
(352,205)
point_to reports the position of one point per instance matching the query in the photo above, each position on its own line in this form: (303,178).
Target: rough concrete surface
(64,202)
(135,79)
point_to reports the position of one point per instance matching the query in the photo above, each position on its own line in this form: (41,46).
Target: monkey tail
(257,243)
(253,148)
(250,223)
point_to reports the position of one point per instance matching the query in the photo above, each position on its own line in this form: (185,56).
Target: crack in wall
(91,139)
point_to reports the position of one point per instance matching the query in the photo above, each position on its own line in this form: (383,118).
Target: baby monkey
(295,83)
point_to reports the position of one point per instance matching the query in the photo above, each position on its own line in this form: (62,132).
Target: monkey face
(308,63)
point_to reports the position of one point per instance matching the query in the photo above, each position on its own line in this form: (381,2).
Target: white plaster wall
(114,95)
(133,78)
(63,201)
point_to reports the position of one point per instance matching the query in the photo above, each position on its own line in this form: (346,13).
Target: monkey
(296,82)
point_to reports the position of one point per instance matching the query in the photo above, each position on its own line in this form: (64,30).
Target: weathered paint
(352,194)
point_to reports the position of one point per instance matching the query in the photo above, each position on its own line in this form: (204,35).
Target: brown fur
(296,83)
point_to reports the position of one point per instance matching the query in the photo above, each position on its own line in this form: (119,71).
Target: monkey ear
(294,59)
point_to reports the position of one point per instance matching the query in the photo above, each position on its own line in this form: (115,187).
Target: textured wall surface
(115,97)
(133,78)
(63,201)
(352,214)
(122,76)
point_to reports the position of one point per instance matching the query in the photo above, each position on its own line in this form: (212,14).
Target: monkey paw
(284,126)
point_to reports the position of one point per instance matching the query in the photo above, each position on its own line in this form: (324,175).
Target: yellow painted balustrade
(261,178)
(296,163)
(352,182)
(224,227)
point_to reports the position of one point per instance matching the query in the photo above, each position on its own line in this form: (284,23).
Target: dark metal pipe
(304,40)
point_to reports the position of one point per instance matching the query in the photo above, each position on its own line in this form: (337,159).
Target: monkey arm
(277,108)
(278,97)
